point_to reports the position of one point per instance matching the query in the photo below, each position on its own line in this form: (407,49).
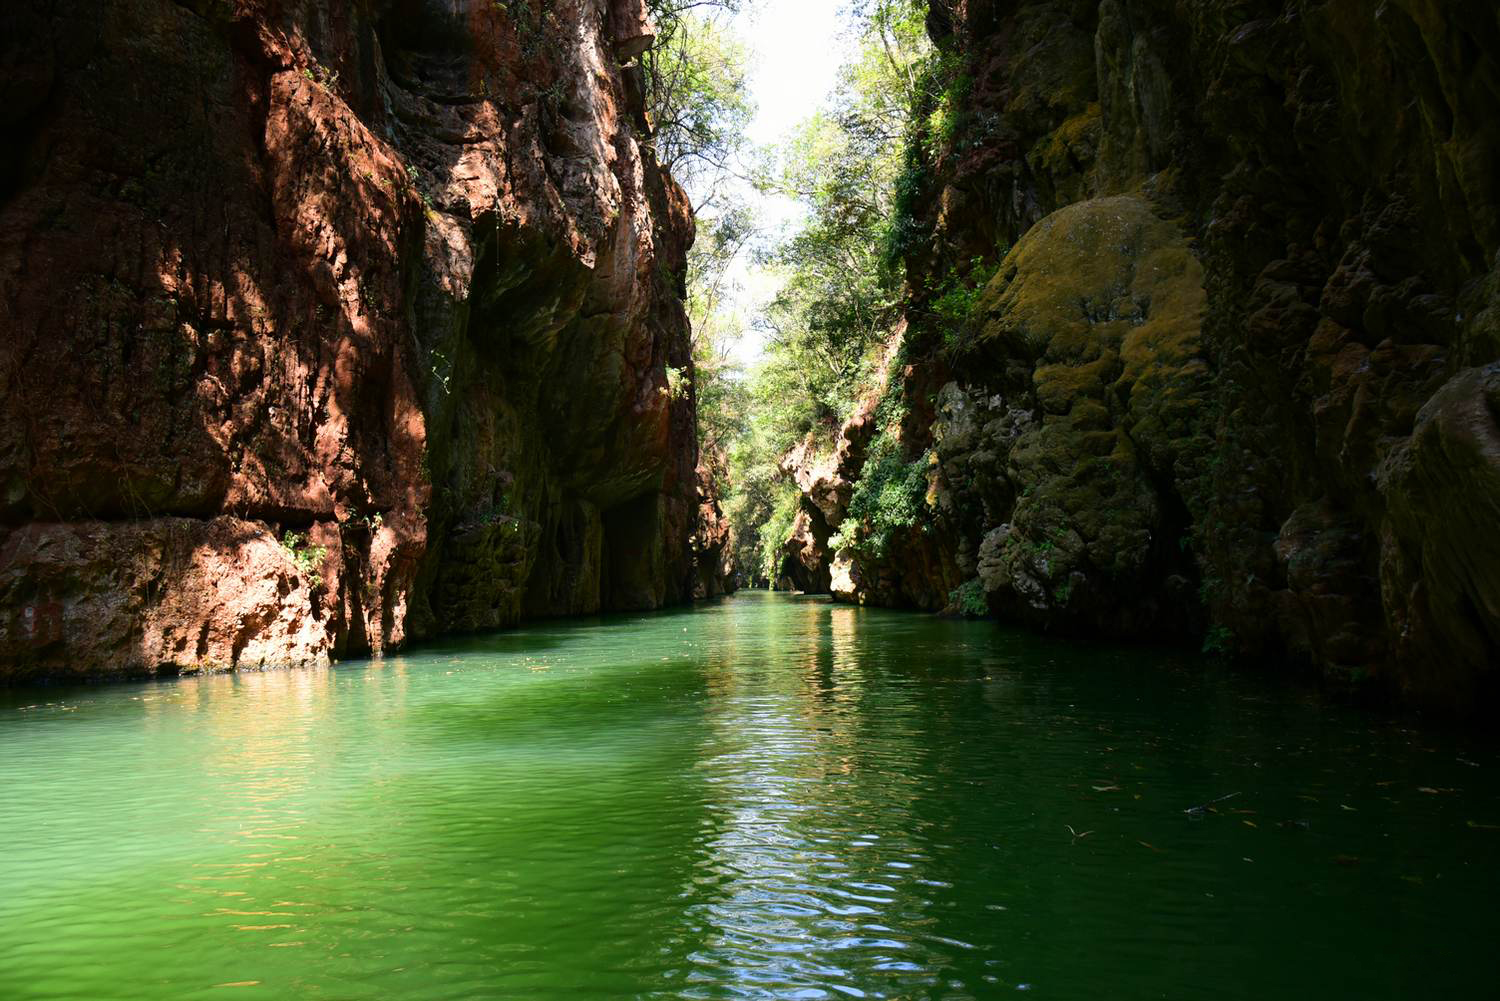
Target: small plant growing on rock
(968,599)
(889,496)
(958,294)
(307,558)
(1219,642)
(318,73)
(525,22)
(496,511)
(678,382)
(371,522)
(440,362)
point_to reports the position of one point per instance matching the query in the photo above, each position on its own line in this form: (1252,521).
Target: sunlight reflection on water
(764,797)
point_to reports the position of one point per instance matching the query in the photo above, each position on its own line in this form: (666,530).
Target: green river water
(766,796)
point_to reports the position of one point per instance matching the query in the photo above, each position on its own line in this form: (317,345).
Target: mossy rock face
(1103,301)
(1341,511)
(485,573)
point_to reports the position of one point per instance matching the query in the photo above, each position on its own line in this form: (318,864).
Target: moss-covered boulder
(1092,326)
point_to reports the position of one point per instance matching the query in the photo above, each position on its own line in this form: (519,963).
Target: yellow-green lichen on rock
(1298,466)
(1098,310)
(1066,154)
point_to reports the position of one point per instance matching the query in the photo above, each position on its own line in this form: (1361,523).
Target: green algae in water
(764,797)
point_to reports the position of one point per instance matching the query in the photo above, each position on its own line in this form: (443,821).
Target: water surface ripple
(767,797)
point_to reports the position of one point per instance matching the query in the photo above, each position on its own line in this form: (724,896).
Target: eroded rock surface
(826,477)
(1234,377)
(397,278)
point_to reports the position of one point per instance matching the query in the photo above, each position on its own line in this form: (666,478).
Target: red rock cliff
(327,326)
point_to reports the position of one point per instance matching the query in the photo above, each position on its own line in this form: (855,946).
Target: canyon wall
(1231,372)
(330,326)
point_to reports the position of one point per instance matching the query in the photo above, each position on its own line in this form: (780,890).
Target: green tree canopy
(696,95)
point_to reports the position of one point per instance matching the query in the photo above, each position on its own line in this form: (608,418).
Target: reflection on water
(766,797)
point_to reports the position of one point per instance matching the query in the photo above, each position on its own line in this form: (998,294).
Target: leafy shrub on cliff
(678,382)
(904,231)
(889,496)
(953,302)
(948,85)
(968,599)
(776,530)
(934,97)
(307,558)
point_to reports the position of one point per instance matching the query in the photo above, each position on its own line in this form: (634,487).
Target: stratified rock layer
(1236,374)
(396,278)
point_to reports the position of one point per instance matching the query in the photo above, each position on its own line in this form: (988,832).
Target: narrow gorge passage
(787,499)
(766,796)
